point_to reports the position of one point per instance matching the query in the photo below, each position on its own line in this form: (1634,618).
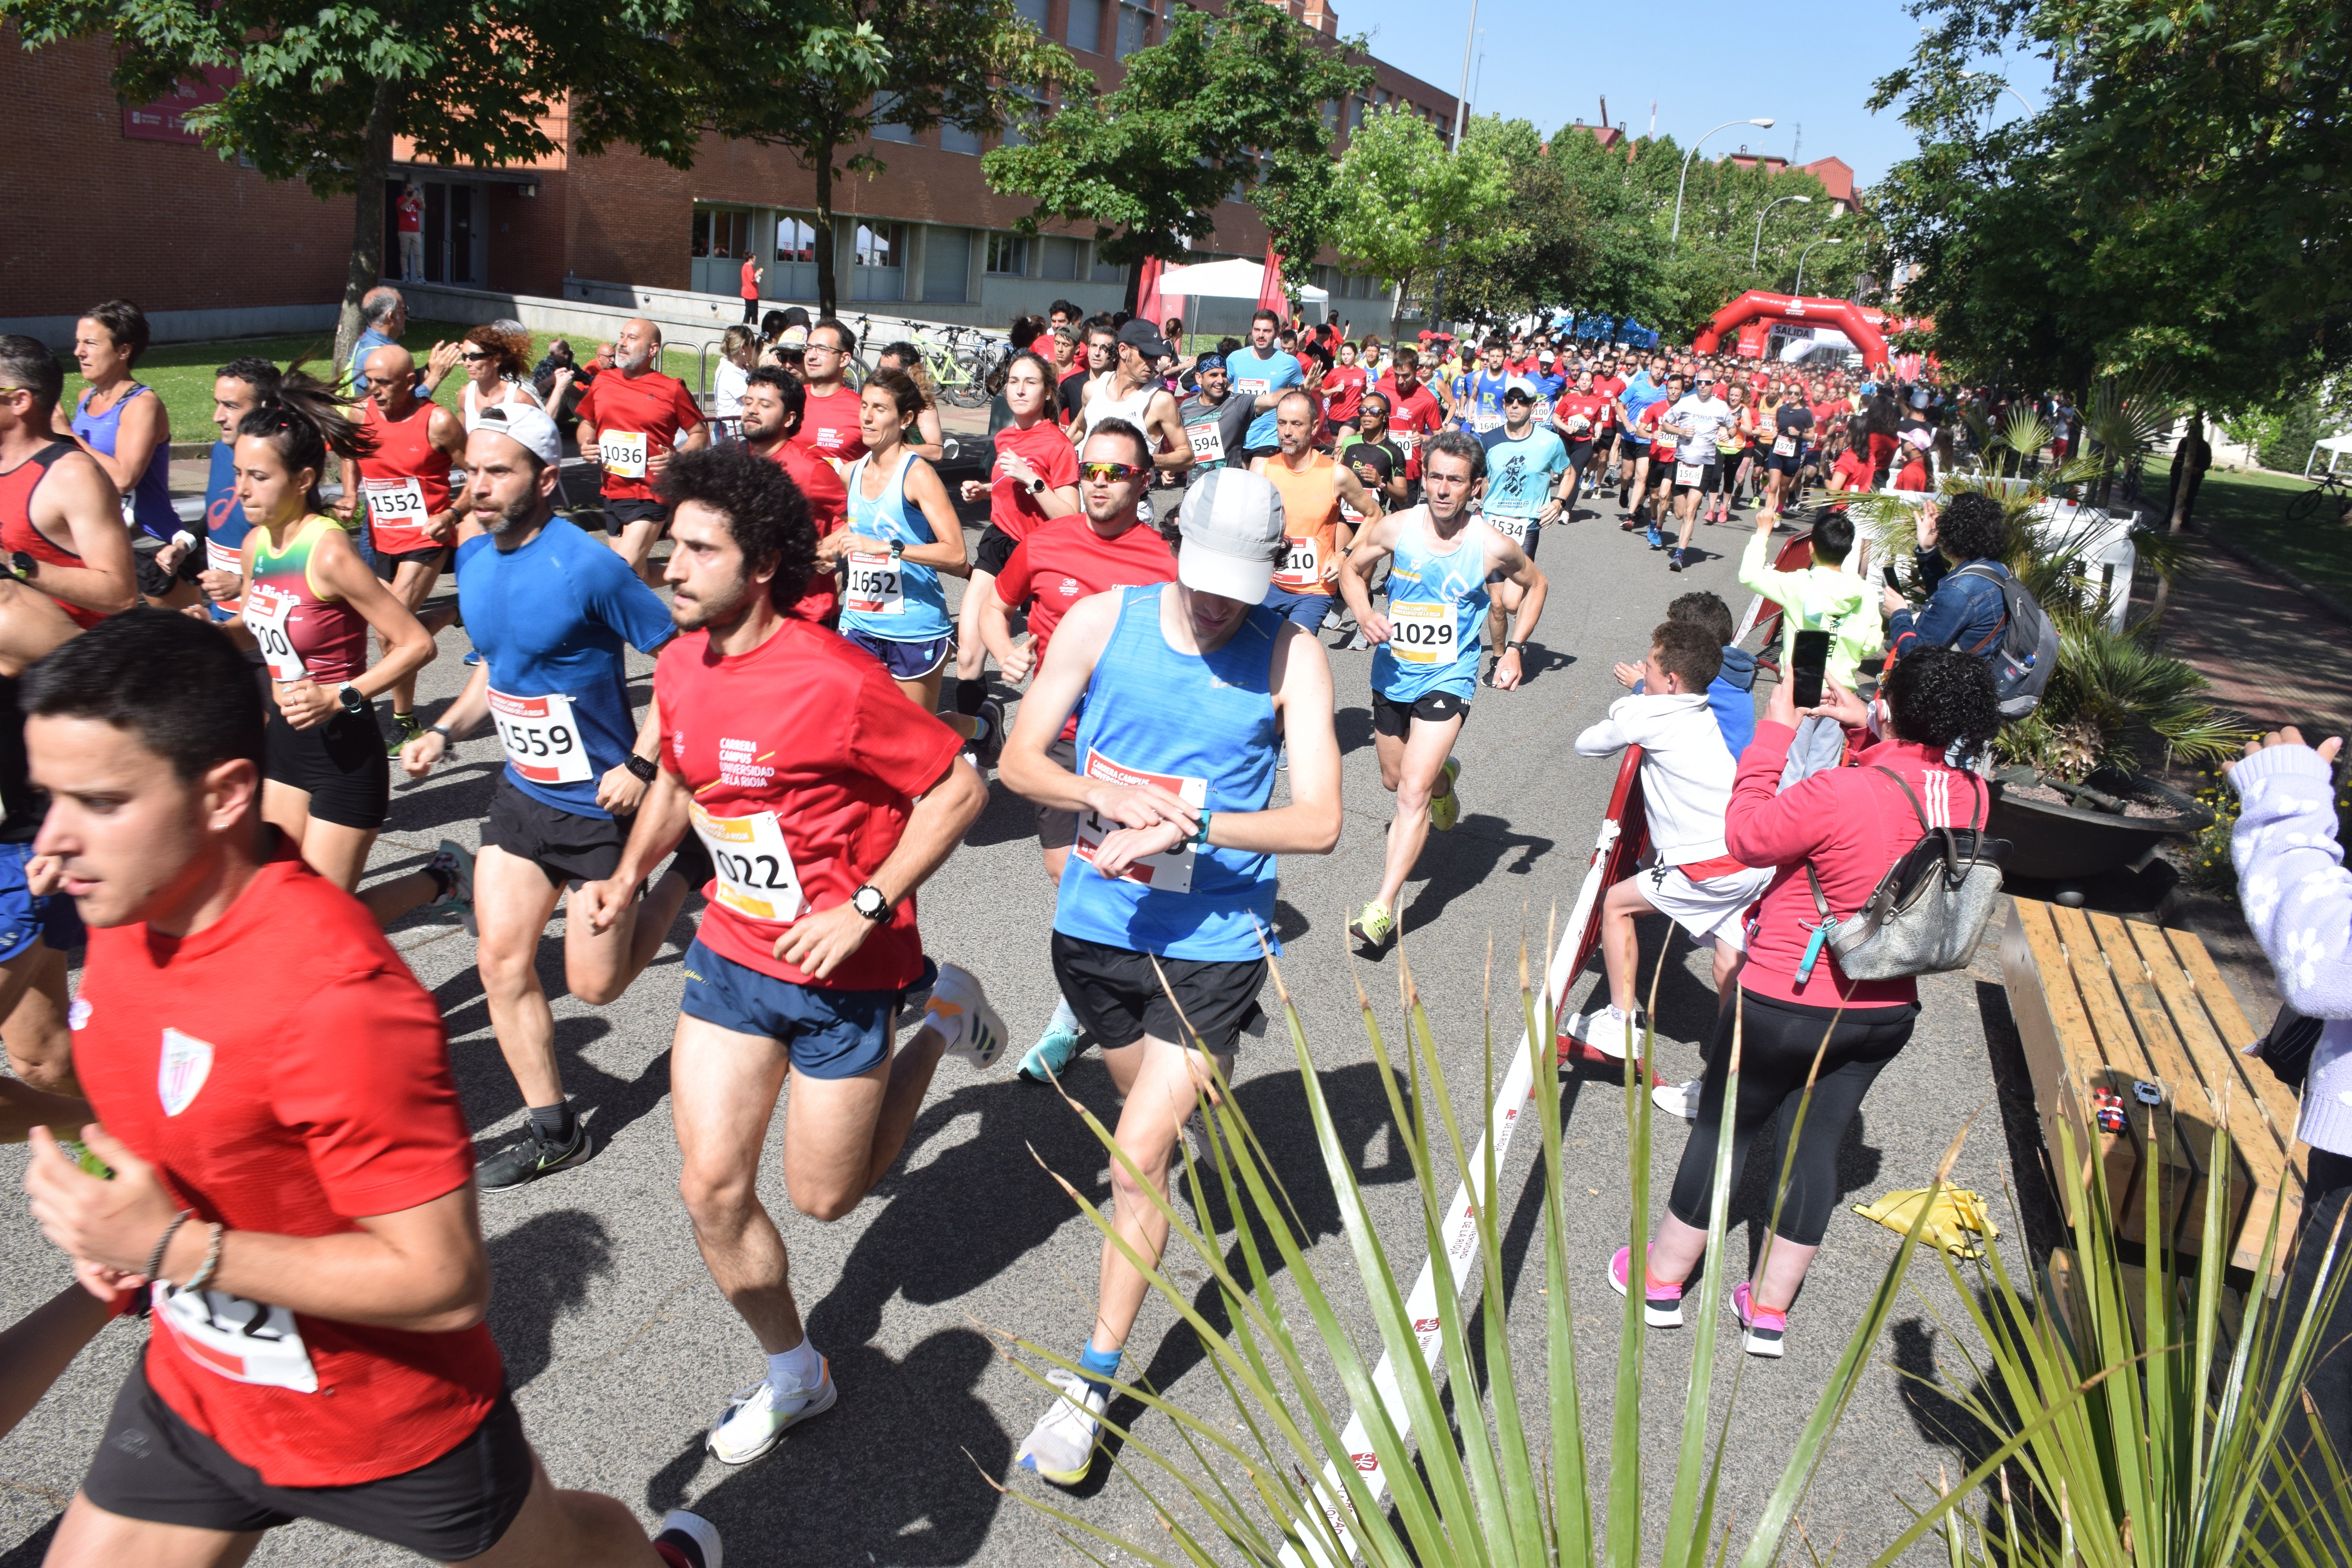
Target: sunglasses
(484,354)
(1518,398)
(1106,473)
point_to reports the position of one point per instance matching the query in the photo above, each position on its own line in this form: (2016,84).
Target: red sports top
(18,533)
(406,479)
(285,1074)
(829,427)
(1064,561)
(803,758)
(1594,406)
(1046,446)
(1410,419)
(1343,393)
(829,510)
(635,417)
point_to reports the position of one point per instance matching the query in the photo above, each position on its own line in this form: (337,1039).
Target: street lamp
(1763,124)
(1808,251)
(1758,249)
(1988,76)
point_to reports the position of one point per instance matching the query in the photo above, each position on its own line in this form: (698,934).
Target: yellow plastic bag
(1958,1211)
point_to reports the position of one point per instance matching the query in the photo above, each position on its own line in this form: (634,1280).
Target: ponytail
(307,422)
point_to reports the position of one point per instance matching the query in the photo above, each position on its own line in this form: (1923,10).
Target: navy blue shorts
(831,1034)
(1305,611)
(906,660)
(23,917)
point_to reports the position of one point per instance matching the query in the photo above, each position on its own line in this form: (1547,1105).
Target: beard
(715,610)
(514,514)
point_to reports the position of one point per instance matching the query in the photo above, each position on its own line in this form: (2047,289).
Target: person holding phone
(1821,597)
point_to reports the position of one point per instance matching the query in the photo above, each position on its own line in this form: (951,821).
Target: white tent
(1236,280)
(2334,447)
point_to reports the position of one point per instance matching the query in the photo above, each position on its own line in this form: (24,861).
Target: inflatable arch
(1753,312)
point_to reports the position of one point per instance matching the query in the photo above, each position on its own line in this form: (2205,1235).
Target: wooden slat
(2061,1050)
(2120,1045)
(2279,1108)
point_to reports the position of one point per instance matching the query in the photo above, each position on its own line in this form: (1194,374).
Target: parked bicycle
(960,360)
(2304,502)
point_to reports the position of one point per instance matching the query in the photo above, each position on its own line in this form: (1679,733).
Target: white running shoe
(757,1417)
(959,1010)
(1613,1035)
(1208,1153)
(1677,1099)
(1061,1447)
(691,1538)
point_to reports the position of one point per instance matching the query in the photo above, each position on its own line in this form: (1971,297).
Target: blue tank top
(896,601)
(1437,616)
(147,505)
(1203,728)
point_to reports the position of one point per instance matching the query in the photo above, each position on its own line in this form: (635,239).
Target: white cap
(526,425)
(1231,526)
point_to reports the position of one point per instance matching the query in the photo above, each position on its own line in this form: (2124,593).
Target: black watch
(1036,486)
(640,768)
(22,564)
(353,701)
(868,902)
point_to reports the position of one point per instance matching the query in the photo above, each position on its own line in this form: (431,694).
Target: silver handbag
(1927,913)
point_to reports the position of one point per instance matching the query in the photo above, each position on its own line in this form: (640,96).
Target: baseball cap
(1546,357)
(1521,385)
(1231,526)
(1919,437)
(1146,339)
(527,425)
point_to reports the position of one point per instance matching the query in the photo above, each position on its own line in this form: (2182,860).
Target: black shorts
(1394,720)
(151,1464)
(1056,828)
(995,550)
(339,763)
(1580,454)
(433,557)
(619,514)
(153,581)
(1712,481)
(1118,998)
(564,844)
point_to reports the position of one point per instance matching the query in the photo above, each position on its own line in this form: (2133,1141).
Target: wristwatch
(1036,486)
(352,699)
(898,548)
(640,768)
(448,738)
(868,902)
(22,564)
(1520,644)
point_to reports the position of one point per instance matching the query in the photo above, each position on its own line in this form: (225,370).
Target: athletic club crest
(187,1061)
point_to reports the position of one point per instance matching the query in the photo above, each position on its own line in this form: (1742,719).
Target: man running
(239,387)
(1262,373)
(1315,488)
(829,415)
(1188,689)
(1414,412)
(1696,418)
(411,513)
(292,1183)
(550,609)
(1525,464)
(633,417)
(36,930)
(825,799)
(1133,392)
(775,406)
(60,520)
(1217,422)
(1478,395)
(1426,651)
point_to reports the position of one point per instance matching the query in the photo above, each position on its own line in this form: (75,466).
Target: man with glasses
(404,489)
(1525,463)
(829,414)
(631,418)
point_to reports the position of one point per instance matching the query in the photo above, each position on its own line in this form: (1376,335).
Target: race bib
(1408,441)
(1514,529)
(245,1342)
(622,453)
(1171,872)
(219,557)
(395,502)
(1421,631)
(265,609)
(874,587)
(1689,473)
(542,740)
(1208,443)
(756,875)
(1543,410)
(1254,387)
(1301,571)
(1784,447)
(1482,423)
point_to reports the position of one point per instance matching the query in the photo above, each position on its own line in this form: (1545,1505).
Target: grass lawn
(2250,510)
(182,373)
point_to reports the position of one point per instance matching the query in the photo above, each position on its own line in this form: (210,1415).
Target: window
(956,138)
(1109,271)
(1086,25)
(1065,260)
(795,239)
(883,130)
(879,251)
(1008,255)
(1355,114)
(1016,124)
(793,274)
(1134,27)
(1032,12)
(947,264)
(722,232)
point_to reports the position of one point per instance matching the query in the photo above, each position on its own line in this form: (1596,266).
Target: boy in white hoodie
(1686,774)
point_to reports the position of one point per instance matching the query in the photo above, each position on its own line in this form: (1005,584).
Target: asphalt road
(621,1351)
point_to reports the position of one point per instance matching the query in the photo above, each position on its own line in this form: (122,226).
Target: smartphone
(1808,668)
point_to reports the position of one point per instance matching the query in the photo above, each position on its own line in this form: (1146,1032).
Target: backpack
(1927,913)
(2028,650)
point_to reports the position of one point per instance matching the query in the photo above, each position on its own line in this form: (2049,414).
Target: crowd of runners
(284,1181)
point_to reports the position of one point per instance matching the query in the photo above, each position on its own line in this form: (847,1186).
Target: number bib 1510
(1421,631)
(245,1342)
(622,453)
(540,737)
(1301,571)
(756,875)
(1170,871)
(267,606)
(875,588)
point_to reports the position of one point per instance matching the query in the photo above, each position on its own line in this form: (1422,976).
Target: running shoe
(1446,810)
(405,727)
(457,861)
(1615,1034)
(1662,1305)
(1677,1099)
(688,1541)
(531,1156)
(1657,540)
(959,1010)
(757,1417)
(1050,1057)
(474,656)
(1374,926)
(1765,1329)
(1675,559)
(1061,1447)
(992,748)
(1207,1151)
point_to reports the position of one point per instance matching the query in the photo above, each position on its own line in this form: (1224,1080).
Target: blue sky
(1811,66)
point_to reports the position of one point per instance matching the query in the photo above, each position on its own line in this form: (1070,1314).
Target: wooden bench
(2139,1011)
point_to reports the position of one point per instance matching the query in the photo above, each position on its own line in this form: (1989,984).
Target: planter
(2053,843)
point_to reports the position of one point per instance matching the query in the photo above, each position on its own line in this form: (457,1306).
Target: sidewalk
(2271,654)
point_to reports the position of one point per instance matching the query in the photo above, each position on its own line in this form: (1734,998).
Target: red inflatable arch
(1753,310)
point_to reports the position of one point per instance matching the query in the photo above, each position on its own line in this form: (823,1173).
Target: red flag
(1148,306)
(1270,296)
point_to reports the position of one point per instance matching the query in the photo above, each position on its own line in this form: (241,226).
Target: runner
(498,369)
(1582,417)
(929,439)
(239,387)
(123,425)
(1639,394)
(1525,466)
(1035,480)
(1058,567)
(1653,477)
(1414,412)
(1187,691)
(1698,417)
(59,518)
(550,609)
(631,417)
(1425,663)
(824,803)
(1478,395)
(774,405)
(36,930)
(1373,455)
(1133,392)
(1217,422)
(411,513)
(1344,385)
(292,1179)
(1322,502)
(1260,372)
(1791,430)
(1733,443)
(1101,354)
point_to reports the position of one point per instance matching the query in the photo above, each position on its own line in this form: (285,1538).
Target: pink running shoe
(1766,1329)
(1662,1305)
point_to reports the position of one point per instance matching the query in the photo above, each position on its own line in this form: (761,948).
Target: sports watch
(354,701)
(22,564)
(868,902)
(640,768)
(1036,486)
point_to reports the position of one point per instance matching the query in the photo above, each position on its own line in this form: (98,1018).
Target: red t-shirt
(1645,427)
(803,758)
(750,289)
(829,426)
(1914,476)
(1343,393)
(1853,468)
(1827,413)
(285,1073)
(1046,447)
(828,501)
(1594,408)
(635,417)
(1410,419)
(1611,388)
(1064,560)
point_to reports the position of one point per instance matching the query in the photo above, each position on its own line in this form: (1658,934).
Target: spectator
(1882,417)
(738,351)
(383,318)
(1960,563)
(1915,475)
(495,357)
(557,378)
(1821,597)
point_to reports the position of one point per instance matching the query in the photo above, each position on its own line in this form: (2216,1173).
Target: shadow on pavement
(544,1268)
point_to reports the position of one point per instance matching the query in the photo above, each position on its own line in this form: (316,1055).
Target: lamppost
(1808,251)
(1988,76)
(1758,249)
(1763,124)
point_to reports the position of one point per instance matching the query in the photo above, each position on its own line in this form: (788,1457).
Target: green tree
(1405,197)
(1222,107)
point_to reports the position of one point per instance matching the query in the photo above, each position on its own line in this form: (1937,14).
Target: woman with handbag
(1833,838)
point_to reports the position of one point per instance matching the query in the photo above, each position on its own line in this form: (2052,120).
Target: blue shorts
(906,660)
(1305,611)
(831,1034)
(23,917)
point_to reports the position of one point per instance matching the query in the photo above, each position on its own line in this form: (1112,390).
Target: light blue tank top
(902,602)
(1437,616)
(148,505)
(1204,728)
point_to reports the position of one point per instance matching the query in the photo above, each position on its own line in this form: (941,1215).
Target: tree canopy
(1405,197)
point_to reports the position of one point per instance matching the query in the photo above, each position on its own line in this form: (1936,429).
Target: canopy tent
(2336,446)
(1236,280)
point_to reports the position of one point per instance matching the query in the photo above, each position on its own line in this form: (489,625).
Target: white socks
(796,1371)
(1064,1019)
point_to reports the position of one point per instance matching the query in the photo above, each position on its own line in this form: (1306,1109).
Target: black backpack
(2028,643)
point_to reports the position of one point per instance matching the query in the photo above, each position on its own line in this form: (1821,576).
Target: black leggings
(1776,1053)
(2330,1381)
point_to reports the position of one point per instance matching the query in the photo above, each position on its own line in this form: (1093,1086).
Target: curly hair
(1689,650)
(1704,609)
(1973,529)
(1940,697)
(766,514)
(510,342)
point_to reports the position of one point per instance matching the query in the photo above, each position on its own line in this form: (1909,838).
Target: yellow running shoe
(1446,810)
(1374,926)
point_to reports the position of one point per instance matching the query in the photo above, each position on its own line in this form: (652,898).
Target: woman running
(498,369)
(1036,478)
(309,600)
(120,422)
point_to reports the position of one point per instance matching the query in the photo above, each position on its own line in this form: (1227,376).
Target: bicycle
(2304,503)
